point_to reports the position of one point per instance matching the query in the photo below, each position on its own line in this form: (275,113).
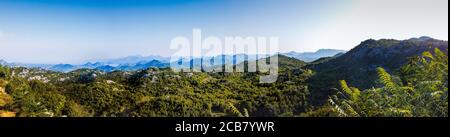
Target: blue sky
(72,31)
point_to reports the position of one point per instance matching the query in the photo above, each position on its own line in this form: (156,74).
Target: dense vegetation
(422,90)
(358,67)
(152,92)
(417,88)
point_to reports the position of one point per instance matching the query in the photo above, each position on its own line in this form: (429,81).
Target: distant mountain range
(131,63)
(364,58)
(357,66)
(312,56)
(131,60)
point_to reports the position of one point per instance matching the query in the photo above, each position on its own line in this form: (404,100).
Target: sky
(73,31)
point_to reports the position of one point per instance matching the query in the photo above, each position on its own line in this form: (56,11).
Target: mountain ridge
(130,63)
(358,66)
(311,56)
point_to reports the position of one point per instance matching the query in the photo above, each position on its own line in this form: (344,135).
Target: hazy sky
(71,31)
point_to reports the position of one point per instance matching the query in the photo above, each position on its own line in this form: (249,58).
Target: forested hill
(153,92)
(358,66)
(302,89)
(284,62)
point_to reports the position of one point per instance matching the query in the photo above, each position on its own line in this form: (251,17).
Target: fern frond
(234,110)
(385,79)
(336,108)
(345,88)
(350,110)
(427,54)
(246,114)
(355,93)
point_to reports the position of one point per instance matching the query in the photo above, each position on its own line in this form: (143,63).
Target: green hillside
(377,78)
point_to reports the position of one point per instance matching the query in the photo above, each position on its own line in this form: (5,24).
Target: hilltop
(358,66)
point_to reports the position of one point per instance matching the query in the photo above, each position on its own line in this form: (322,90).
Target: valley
(376,78)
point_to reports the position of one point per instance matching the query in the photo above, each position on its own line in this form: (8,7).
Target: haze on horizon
(54,31)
